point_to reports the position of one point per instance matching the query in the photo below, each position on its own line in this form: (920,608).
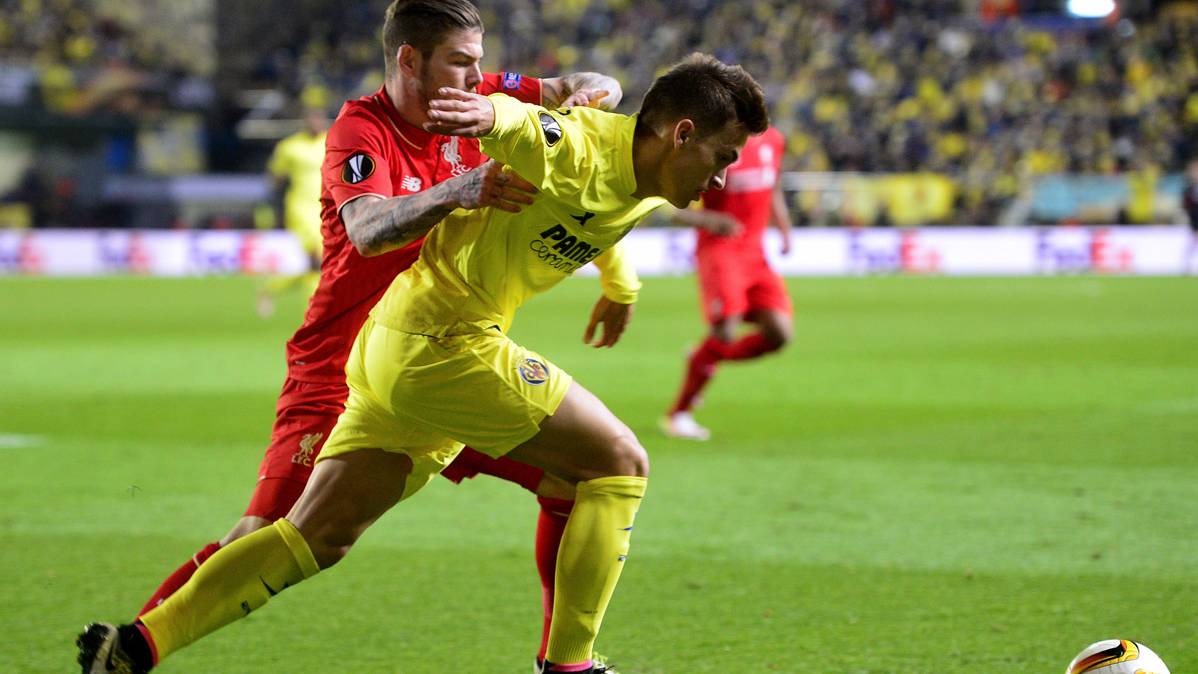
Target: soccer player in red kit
(385,182)
(736,282)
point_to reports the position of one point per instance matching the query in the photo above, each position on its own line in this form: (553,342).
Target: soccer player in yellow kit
(295,167)
(433,368)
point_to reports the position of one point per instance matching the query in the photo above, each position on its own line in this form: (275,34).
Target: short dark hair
(708,92)
(424,24)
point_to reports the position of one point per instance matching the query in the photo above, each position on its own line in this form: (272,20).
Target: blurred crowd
(879,86)
(953,87)
(80,57)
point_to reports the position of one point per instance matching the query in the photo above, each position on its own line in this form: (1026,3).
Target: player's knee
(244,527)
(778,333)
(778,338)
(330,544)
(628,456)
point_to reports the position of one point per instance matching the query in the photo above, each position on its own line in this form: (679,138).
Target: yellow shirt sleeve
(546,148)
(617,276)
(278,165)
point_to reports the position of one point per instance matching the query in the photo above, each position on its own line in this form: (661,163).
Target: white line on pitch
(18,441)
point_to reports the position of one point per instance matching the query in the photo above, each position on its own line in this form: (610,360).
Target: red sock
(700,367)
(551,524)
(702,364)
(749,346)
(180,577)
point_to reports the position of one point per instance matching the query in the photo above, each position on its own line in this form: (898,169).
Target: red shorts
(734,284)
(305,415)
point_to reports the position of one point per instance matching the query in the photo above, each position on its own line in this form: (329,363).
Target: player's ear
(408,60)
(684,131)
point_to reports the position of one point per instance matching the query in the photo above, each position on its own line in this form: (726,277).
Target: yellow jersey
(477,267)
(298,158)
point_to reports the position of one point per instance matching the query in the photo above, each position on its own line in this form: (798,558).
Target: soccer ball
(1117,656)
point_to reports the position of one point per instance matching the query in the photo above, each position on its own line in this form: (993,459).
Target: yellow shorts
(427,396)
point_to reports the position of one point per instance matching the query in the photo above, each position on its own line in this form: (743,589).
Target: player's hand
(492,185)
(720,224)
(588,98)
(460,113)
(786,243)
(613,316)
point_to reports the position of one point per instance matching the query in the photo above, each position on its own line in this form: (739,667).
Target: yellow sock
(589,562)
(236,580)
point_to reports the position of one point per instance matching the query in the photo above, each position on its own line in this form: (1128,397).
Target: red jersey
(371,150)
(748,193)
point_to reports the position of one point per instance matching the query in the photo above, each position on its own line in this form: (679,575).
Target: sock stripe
(298,547)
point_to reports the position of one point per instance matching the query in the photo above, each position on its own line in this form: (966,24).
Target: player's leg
(350,488)
(305,416)
(770,308)
(555,498)
(345,495)
(306,230)
(723,292)
(583,442)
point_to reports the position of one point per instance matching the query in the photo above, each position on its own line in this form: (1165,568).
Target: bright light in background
(1091,9)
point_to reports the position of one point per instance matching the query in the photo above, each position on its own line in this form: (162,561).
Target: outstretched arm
(589,89)
(716,222)
(376,225)
(780,217)
(613,311)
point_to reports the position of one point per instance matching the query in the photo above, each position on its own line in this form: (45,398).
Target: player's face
(455,62)
(315,121)
(700,162)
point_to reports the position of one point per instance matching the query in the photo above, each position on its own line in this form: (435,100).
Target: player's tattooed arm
(589,89)
(376,225)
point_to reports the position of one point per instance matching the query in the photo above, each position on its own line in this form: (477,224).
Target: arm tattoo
(378,226)
(568,84)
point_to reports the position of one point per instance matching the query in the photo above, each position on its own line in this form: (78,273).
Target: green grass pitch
(939,476)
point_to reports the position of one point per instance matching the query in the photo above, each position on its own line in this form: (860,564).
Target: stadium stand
(967,103)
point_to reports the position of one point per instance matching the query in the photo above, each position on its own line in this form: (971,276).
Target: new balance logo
(307,449)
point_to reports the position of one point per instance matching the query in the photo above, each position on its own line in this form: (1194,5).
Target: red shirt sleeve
(519,87)
(355,162)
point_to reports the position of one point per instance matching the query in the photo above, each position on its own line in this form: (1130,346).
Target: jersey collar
(414,136)
(623,154)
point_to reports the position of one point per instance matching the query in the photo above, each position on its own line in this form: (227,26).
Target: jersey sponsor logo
(410,184)
(307,449)
(512,80)
(765,154)
(357,168)
(553,130)
(533,371)
(563,251)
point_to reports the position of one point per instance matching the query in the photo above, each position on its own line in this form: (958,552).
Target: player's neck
(648,151)
(406,102)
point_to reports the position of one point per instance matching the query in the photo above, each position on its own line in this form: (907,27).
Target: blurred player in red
(735,281)
(385,182)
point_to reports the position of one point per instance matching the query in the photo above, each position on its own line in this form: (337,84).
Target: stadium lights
(1091,9)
